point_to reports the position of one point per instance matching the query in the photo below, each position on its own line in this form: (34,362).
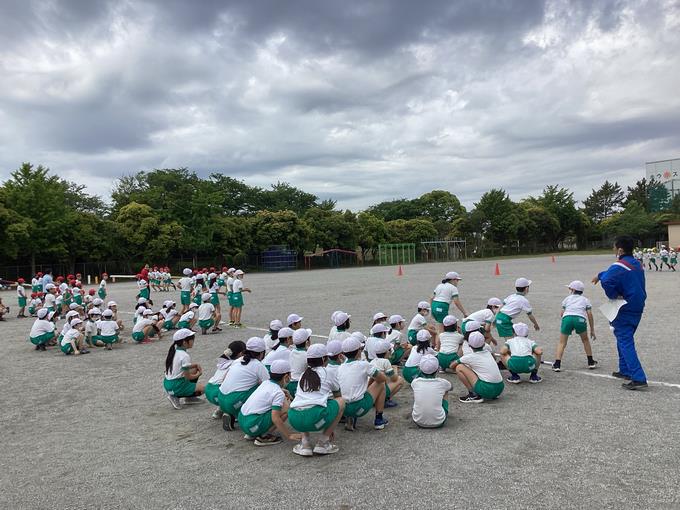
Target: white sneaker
(174,401)
(325,448)
(303,449)
(193,400)
(217,414)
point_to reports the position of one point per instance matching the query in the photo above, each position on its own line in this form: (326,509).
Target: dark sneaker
(619,375)
(268,440)
(634,385)
(380,423)
(471,398)
(535,378)
(557,366)
(228,422)
(391,403)
(514,379)
(592,365)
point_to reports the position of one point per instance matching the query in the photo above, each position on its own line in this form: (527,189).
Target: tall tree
(604,202)
(495,218)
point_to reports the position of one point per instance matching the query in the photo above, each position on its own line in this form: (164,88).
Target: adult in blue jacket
(626,279)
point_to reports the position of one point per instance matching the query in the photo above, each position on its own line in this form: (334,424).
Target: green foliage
(604,202)
(372,232)
(634,220)
(410,231)
(270,228)
(495,217)
(560,202)
(331,229)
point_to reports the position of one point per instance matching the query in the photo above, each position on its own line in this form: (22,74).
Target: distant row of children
(658,258)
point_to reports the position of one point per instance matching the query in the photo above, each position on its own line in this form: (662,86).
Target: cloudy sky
(358,101)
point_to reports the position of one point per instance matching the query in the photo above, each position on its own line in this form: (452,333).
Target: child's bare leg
(395,386)
(562,345)
(377,391)
(467,376)
(328,432)
(586,343)
(538,353)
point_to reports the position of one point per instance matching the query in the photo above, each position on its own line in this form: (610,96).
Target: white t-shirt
(449,342)
(230,284)
(468,350)
(77,291)
(205,311)
(91,327)
(298,363)
(21,292)
(384,365)
(334,330)
(141,324)
(339,335)
(484,316)
(180,363)
(187,316)
(445,292)
(185,284)
(520,346)
(281,352)
(237,286)
(371,344)
(305,399)
(169,313)
(576,304)
(243,377)
(395,338)
(483,364)
(418,322)
(223,366)
(107,328)
(267,396)
(428,394)
(41,326)
(50,300)
(353,376)
(268,342)
(516,304)
(414,357)
(102,284)
(70,336)
(332,370)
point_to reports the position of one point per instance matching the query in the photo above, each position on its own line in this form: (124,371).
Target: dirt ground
(96,431)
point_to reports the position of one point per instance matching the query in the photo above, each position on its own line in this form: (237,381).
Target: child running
(443,295)
(430,395)
(513,305)
(576,308)
(478,372)
(181,375)
(522,356)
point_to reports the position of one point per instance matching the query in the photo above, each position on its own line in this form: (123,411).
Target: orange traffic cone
(497,272)
(553,259)
(400,272)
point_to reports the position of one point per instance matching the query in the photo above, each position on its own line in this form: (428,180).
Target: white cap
(107,313)
(148,311)
(75,322)
(340,318)
(72,313)
(143,283)
(452,275)
(94,311)
(275,325)
(577,285)
(50,286)
(382,347)
(379,328)
(301,336)
(293,318)
(279,366)
(476,340)
(449,320)
(428,364)
(334,314)
(521,329)
(211,276)
(522,282)
(186,271)
(97,301)
(394,319)
(379,316)
(193,305)
(167,303)
(334,347)
(111,303)
(359,336)
(42,313)
(205,297)
(73,306)
(423,335)
(182,334)
(285,333)
(239,272)
(317,351)
(200,276)
(255,344)
(423,305)
(51,315)
(494,301)
(141,301)
(231,270)
(351,344)
(472,326)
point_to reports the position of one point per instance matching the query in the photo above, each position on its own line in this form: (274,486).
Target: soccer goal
(401,253)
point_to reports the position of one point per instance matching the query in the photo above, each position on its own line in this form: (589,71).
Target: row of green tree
(171,213)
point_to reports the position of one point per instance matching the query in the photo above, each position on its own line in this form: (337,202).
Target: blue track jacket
(626,279)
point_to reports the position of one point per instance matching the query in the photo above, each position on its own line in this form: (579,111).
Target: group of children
(658,258)
(313,386)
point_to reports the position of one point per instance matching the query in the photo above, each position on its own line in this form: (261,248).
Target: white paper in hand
(611,308)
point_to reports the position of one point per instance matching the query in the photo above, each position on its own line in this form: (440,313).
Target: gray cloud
(358,101)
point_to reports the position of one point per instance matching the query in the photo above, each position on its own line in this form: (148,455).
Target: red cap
(78,284)
(105,274)
(21,280)
(33,295)
(78,275)
(60,278)
(39,273)
(91,292)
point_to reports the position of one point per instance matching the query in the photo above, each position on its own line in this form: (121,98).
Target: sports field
(96,431)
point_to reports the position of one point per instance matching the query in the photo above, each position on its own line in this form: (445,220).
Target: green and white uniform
(489,384)
(21,296)
(185,285)
(314,411)
(513,305)
(430,410)
(411,370)
(521,359)
(255,416)
(417,323)
(212,389)
(67,341)
(443,294)
(205,315)
(240,382)
(298,363)
(42,332)
(353,378)
(107,331)
(176,383)
(575,308)
(237,293)
(484,317)
(448,348)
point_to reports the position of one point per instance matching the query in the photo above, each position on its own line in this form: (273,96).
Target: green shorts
(42,339)
(215,299)
(231,402)
(488,390)
(255,424)
(230,298)
(185,297)
(315,418)
(21,301)
(198,298)
(504,325)
(292,387)
(66,349)
(107,339)
(237,299)
(183,324)
(463,328)
(445,360)
(664,260)
(212,392)
(101,293)
(439,310)
(397,354)
(571,323)
(206,323)
(521,364)
(360,407)
(78,299)
(412,336)
(168,325)
(181,387)
(145,293)
(410,373)
(138,336)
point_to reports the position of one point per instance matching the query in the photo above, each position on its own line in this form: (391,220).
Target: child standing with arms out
(478,372)
(443,295)
(224,362)
(521,355)
(266,409)
(419,322)
(181,375)
(21,298)
(576,308)
(238,289)
(430,395)
(515,304)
